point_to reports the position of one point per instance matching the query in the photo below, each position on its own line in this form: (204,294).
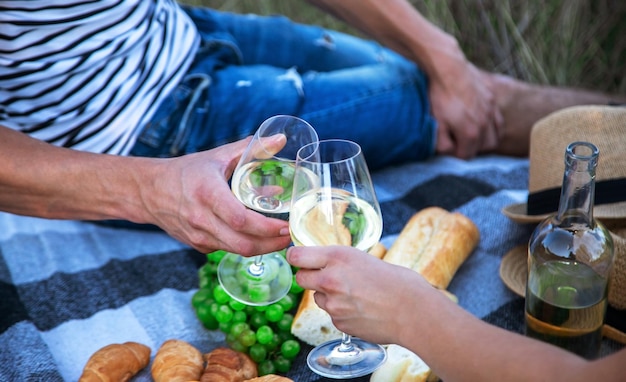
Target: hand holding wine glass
(334,203)
(263,182)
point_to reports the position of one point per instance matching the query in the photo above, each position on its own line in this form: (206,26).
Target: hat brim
(517,213)
(514,273)
(514,269)
(607,213)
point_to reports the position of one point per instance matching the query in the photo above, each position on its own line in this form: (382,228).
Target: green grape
(230,338)
(287,302)
(257,352)
(205,271)
(247,338)
(204,315)
(266,367)
(258,292)
(224,314)
(284,325)
(224,327)
(220,295)
(257,319)
(236,305)
(282,364)
(237,328)
(216,257)
(274,313)
(290,349)
(264,334)
(295,288)
(238,346)
(239,316)
(214,308)
(273,344)
(285,336)
(205,283)
(200,297)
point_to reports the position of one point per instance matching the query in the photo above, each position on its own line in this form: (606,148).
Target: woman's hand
(359,291)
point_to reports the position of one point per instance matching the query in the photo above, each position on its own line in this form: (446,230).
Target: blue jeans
(249,68)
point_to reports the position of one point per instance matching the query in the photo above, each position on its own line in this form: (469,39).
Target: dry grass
(560,42)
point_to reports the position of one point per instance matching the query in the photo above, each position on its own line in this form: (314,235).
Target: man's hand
(192,201)
(469,121)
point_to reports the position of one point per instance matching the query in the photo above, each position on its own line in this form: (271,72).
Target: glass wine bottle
(570,257)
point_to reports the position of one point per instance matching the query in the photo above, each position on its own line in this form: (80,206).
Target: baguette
(434,243)
(311,324)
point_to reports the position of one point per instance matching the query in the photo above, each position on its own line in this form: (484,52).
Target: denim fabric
(250,67)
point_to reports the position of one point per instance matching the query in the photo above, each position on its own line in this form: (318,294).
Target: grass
(578,43)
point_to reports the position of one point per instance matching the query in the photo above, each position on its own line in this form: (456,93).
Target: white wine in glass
(263,181)
(338,207)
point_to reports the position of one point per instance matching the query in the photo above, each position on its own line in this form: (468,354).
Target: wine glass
(334,203)
(262,181)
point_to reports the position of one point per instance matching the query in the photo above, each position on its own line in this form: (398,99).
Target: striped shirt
(87,74)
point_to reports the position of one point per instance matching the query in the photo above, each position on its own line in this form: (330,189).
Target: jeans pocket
(166,133)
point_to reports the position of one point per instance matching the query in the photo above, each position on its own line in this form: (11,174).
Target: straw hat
(605,127)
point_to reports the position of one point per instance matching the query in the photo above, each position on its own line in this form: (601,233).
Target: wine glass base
(326,360)
(245,282)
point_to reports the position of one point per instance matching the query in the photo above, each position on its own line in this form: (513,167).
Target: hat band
(547,201)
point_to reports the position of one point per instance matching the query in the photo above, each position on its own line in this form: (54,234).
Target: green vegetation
(559,42)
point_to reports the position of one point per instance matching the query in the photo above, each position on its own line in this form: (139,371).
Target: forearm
(399,26)
(38,179)
(458,346)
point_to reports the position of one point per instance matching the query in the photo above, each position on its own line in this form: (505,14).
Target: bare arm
(462,102)
(188,197)
(385,303)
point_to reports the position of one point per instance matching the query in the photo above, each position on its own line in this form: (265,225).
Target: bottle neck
(578,191)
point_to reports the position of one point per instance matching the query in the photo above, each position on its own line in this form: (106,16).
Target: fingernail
(284,232)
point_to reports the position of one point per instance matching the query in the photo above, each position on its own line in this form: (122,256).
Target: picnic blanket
(68,288)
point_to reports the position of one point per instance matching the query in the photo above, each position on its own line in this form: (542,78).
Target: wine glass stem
(346,343)
(256,268)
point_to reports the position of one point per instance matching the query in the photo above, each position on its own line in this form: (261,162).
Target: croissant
(177,361)
(270,378)
(116,362)
(227,365)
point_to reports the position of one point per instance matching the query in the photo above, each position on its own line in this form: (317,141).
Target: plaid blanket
(68,288)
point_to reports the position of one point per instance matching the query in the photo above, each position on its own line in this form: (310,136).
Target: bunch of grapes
(262,332)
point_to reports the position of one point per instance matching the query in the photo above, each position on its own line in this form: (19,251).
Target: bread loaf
(402,365)
(311,324)
(434,243)
(228,365)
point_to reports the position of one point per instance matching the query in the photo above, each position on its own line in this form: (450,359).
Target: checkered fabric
(68,288)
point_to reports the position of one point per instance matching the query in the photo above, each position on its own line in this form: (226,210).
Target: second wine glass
(339,207)
(263,181)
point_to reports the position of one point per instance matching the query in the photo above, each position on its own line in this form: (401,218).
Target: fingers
(246,232)
(308,257)
(445,144)
(267,147)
